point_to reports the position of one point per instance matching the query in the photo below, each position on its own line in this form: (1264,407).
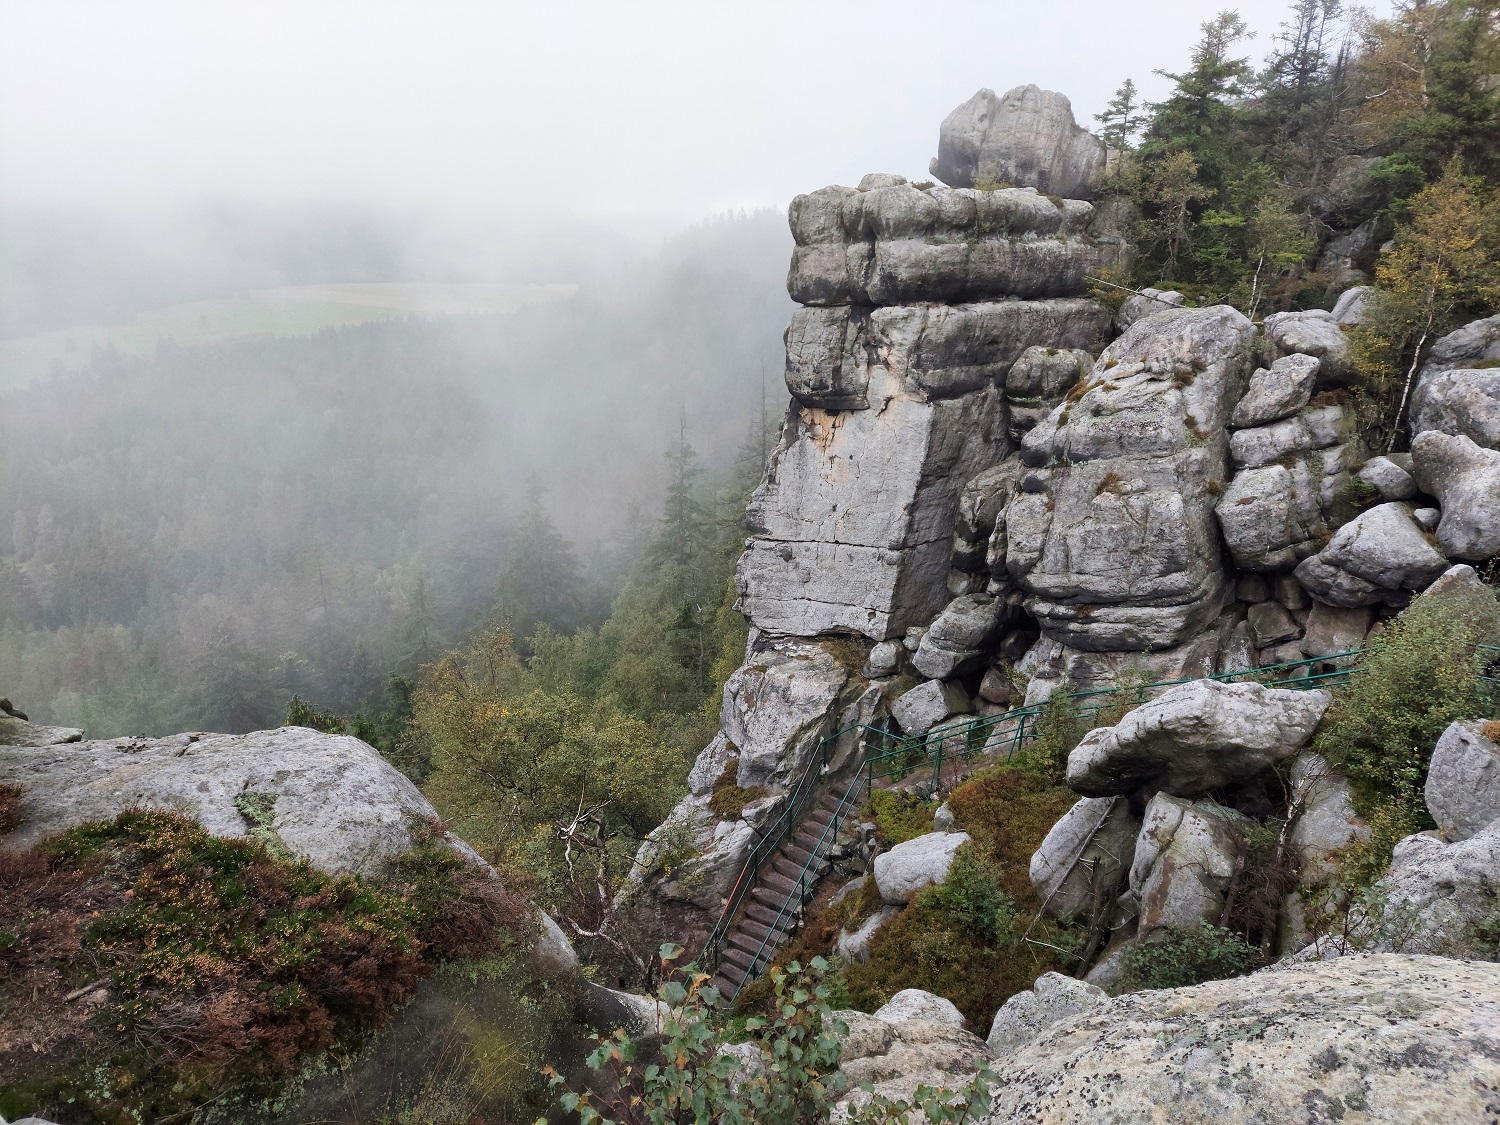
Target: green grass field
(294,310)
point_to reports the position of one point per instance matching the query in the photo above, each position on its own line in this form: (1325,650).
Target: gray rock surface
(1458,401)
(1324,823)
(1474,343)
(1275,516)
(1353,306)
(915,1004)
(1085,857)
(959,637)
(1027,138)
(1185,856)
(1465,478)
(1146,303)
(1317,427)
(1315,333)
(1270,624)
(1381,556)
(776,707)
(852,529)
(908,867)
(895,1058)
(1277,391)
(1039,379)
(1028,1014)
(932,351)
(1463,780)
(19,732)
(925,706)
(1333,629)
(981,504)
(884,660)
(1113,538)
(1387,478)
(904,245)
(1196,737)
(334,800)
(1382,1040)
(854,945)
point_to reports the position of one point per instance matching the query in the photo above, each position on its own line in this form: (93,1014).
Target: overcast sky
(615,109)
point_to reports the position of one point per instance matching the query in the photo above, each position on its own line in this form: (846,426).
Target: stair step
(762,913)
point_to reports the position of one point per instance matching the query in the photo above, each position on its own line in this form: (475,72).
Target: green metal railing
(896,757)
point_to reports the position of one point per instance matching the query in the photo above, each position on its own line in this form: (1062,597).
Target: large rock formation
(1379,1039)
(1028,138)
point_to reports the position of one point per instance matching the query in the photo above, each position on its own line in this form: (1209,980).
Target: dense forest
(194,536)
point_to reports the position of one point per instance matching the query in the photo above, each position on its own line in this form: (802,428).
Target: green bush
(1417,676)
(972,897)
(900,816)
(1187,957)
(791,1076)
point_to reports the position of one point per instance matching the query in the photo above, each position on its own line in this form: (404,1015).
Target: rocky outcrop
(330,799)
(1465,478)
(960,636)
(1314,333)
(895,1058)
(1026,1015)
(1146,302)
(1195,738)
(1277,391)
(1381,557)
(1463,779)
(1353,306)
(920,862)
(1185,856)
(915,1004)
(20,732)
(1323,823)
(1085,857)
(1027,138)
(1436,898)
(1112,536)
(1476,343)
(1039,379)
(1379,1039)
(1458,401)
(928,704)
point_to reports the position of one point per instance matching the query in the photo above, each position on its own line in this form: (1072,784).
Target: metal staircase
(765,904)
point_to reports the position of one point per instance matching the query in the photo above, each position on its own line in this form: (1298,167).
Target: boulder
(329,799)
(1456,578)
(1275,516)
(854,945)
(1196,737)
(1383,1040)
(1470,346)
(1387,478)
(996,686)
(1334,629)
(1028,1014)
(914,1004)
(920,862)
(884,660)
(777,706)
(893,1059)
(1028,138)
(1314,332)
(1145,303)
(1463,779)
(1277,391)
(1317,427)
(928,704)
(1379,557)
(1112,537)
(1458,401)
(981,504)
(1324,823)
(1465,478)
(959,637)
(1039,379)
(1084,858)
(1185,856)
(1353,306)
(1270,624)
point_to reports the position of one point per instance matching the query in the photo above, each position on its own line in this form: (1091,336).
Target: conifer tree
(1122,116)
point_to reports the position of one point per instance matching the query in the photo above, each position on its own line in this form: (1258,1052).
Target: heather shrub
(1187,957)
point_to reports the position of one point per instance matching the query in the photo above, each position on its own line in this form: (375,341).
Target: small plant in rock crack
(707,1065)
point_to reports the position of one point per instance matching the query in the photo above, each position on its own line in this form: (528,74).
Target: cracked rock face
(1460,402)
(1084,857)
(333,799)
(1380,1039)
(1463,780)
(1113,536)
(1196,737)
(1465,478)
(1185,856)
(1277,391)
(1380,557)
(1028,137)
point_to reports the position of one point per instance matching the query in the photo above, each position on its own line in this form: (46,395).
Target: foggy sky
(612,110)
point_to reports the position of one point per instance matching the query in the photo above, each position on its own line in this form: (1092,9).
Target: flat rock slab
(1381,1039)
